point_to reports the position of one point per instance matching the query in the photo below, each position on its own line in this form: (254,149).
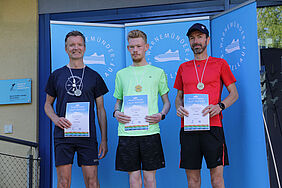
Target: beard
(137,59)
(199,50)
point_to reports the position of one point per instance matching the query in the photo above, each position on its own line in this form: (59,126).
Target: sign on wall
(16,91)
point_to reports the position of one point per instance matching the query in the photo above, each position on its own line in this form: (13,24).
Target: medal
(77,92)
(200,86)
(138,88)
(77,88)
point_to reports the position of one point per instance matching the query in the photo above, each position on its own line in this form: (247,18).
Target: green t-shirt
(153,81)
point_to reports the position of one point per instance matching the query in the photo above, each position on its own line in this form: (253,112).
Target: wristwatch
(163,116)
(221,105)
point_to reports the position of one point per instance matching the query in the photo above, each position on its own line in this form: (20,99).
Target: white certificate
(136,106)
(194,104)
(78,114)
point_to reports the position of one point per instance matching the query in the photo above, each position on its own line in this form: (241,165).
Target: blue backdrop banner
(234,38)
(105,54)
(168,48)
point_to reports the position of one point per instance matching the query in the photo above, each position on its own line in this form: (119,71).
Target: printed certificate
(194,104)
(78,114)
(136,106)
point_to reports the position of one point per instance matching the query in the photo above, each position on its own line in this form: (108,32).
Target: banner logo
(168,48)
(101,53)
(168,56)
(233,46)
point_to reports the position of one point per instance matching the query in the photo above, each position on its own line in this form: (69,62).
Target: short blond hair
(137,34)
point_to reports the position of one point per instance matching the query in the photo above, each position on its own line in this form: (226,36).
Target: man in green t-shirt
(139,146)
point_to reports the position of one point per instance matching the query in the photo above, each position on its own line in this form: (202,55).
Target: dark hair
(137,34)
(74,33)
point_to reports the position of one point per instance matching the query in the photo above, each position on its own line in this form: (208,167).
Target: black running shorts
(196,144)
(139,153)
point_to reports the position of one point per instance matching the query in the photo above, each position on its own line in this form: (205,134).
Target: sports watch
(163,116)
(221,105)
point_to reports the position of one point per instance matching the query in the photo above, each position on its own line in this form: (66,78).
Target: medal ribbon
(203,71)
(74,79)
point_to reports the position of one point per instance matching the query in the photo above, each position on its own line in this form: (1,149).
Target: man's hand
(153,119)
(62,122)
(103,149)
(212,110)
(121,117)
(181,112)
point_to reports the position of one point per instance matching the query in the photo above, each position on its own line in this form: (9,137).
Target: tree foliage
(270,26)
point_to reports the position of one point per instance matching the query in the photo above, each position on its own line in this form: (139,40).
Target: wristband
(114,113)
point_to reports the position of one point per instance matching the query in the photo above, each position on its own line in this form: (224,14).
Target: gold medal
(138,88)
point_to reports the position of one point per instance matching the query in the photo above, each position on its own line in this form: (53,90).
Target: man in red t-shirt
(204,75)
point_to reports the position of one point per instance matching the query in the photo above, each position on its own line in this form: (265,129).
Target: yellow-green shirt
(153,81)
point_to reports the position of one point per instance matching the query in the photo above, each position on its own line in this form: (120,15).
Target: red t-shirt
(216,74)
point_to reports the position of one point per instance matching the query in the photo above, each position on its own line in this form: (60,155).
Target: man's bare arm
(102,120)
(228,101)
(120,116)
(179,104)
(49,110)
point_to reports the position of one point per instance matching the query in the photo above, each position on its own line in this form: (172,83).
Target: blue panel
(234,38)
(173,38)
(15,91)
(110,16)
(105,54)
(44,121)
(169,47)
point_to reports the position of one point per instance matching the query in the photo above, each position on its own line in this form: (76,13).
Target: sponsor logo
(233,45)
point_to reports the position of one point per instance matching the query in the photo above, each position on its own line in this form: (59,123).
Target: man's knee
(135,179)
(64,182)
(217,182)
(90,176)
(92,182)
(194,181)
(64,176)
(149,180)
